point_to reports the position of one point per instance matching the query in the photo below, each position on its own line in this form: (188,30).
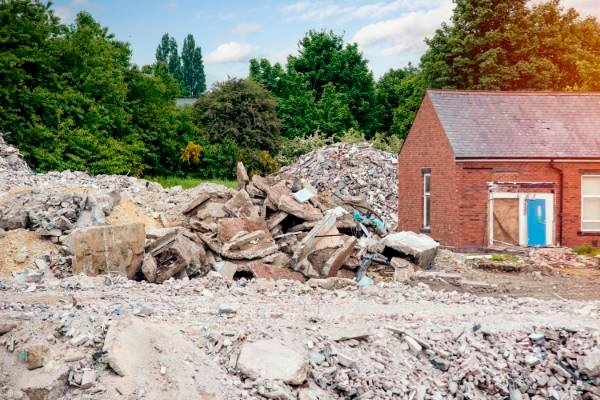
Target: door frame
(523,197)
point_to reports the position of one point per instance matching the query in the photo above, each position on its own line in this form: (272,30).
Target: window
(426,199)
(590,203)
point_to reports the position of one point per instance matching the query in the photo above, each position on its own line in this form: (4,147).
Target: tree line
(71,99)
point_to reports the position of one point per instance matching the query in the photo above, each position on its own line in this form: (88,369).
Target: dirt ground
(536,281)
(19,249)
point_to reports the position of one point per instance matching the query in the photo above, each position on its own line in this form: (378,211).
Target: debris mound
(352,170)
(10,158)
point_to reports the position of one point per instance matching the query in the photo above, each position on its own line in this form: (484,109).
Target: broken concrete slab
(241,239)
(332,266)
(194,204)
(419,247)
(265,271)
(171,255)
(303,211)
(347,333)
(242,175)
(241,206)
(269,359)
(116,249)
(259,251)
(590,364)
(309,242)
(135,347)
(6,327)
(226,269)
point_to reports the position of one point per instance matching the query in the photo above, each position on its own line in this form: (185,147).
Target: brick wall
(472,179)
(427,147)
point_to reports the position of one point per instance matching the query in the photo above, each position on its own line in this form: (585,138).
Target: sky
(390,33)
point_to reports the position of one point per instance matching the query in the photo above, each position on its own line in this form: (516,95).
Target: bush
(391,144)
(353,136)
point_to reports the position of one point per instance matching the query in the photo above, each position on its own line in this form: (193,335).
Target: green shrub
(291,149)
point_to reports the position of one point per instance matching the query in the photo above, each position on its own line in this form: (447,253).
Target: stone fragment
(116,249)
(590,364)
(303,211)
(239,241)
(532,361)
(241,206)
(242,176)
(413,345)
(88,379)
(343,334)
(332,283)
(197,202)
(172,254)
(226,269)
(6,327)
(337,259)
(308,243)
(404,270)
(265,271)
(269,359)
(346,360)
(227,309)
(419,247)
(36,356)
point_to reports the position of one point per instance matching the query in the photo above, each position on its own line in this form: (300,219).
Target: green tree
(324,59)
(167,57)
(241,111)
(510,45)
(399,95)
(334,113)
(194,79)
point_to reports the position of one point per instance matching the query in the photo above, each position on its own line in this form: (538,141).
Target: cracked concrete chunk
(116,249)
(269,359)
(418,246)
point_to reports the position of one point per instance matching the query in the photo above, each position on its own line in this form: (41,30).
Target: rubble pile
(353,171)
(559,258)
(277,228)
(10,159)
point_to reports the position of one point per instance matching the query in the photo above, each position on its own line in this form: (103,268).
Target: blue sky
(389,32)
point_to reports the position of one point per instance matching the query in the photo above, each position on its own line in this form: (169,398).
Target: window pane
(427,183)
(590,185)
(591,226)
(591,208)
(427,212)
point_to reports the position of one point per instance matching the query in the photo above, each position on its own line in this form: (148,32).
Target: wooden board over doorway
(506,221)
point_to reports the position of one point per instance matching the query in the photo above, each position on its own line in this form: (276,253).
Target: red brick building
(522,168)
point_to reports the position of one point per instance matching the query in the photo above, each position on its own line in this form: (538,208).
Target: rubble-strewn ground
(467,346)
(520,324)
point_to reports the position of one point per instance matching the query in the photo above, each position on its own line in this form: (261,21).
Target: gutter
(561,201)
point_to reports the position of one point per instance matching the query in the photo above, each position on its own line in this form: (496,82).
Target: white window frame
(426,195)
(588,196)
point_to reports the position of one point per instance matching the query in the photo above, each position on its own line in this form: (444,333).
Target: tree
(167,57)
(510,45)
(194,80)
(324,59)
(241,111)
(335,116)
(399,95)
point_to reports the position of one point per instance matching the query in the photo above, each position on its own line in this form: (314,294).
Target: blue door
(536,222)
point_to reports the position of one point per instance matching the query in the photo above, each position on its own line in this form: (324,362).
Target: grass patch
(504,258)
(586,250)
(187,183)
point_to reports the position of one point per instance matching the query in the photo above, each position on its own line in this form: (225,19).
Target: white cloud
(66,14)
(294,8)
(231,52)
(405,33)
(247,28)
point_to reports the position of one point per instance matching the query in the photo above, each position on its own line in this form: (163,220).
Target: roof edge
(512,92)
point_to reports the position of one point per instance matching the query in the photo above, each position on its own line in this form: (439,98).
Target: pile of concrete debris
(10,158)
(352,170)
(277,228)
(273,227)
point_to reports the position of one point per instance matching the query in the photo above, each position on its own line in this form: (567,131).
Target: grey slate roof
(519,124)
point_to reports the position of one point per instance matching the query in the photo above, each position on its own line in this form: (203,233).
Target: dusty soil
(29,243)
(535,281)
(126,212)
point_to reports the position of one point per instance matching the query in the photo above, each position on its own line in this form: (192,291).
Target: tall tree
(194,79)
(167,57)
(324,58)
(510,45)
